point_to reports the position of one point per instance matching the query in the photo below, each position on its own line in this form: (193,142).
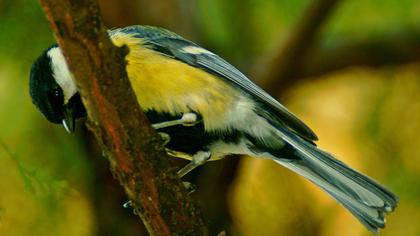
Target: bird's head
(53,90)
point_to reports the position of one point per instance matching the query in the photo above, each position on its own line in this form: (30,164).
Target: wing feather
(174,46)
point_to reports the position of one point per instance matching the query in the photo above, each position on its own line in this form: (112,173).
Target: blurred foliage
(43,174)
(51,185)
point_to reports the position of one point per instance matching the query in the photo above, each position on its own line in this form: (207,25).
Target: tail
(362,196)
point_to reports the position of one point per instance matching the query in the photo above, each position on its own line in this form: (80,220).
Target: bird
(207,109)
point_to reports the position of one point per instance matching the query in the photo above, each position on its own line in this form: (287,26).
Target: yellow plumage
(238,116)
(168,85)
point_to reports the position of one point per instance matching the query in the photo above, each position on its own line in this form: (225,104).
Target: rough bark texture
(131,145)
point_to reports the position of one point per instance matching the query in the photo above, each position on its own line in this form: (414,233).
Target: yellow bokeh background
(370,119)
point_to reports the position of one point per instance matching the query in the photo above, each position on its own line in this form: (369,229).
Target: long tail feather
(367,200)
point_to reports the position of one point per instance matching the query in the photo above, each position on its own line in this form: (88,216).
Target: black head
(48,95)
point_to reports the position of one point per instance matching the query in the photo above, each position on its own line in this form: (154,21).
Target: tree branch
(290,56)
(132,146)
(387,49)
(291,64)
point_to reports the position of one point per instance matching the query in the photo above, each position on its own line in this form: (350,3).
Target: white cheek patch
(196,50)
(61,73)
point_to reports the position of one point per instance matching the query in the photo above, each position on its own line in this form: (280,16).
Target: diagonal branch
(292,53)
(132,146)
(391,48)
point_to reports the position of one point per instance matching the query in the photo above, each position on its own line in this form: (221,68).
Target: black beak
(69,121)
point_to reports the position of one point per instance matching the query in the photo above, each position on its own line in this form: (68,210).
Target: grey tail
(367,200)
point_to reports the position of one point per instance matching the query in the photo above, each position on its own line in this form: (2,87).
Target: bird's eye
(55,95)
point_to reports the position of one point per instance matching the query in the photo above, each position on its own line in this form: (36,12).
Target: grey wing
(217,65)
(176,47)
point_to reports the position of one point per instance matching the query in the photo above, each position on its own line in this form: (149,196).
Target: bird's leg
(196,160)
(165,138)
(182,155)
(187,119)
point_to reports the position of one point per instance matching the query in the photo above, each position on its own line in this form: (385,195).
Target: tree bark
(132,146)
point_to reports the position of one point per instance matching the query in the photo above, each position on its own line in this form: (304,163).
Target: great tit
(208,110)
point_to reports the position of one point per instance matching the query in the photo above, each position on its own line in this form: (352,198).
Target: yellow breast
(168,85)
